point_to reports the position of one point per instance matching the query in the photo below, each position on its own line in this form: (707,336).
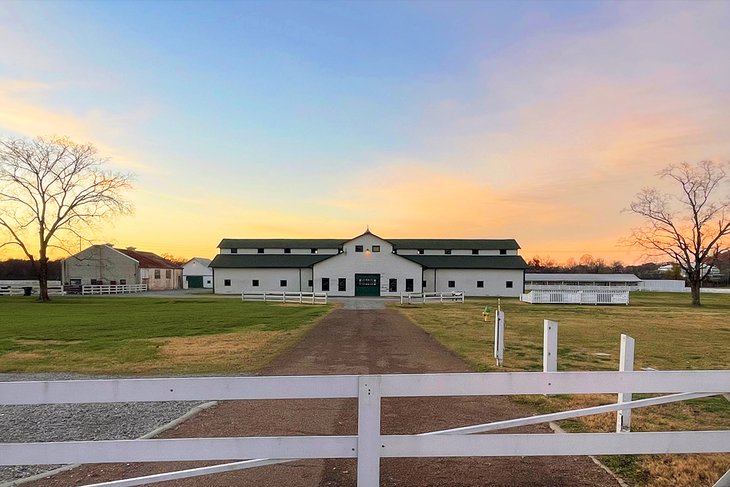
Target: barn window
(287,251)
(409,285)
(342,284)
(226,282)
(480,283)
(255,283)
(310,283)
(376,248)
(393,285)
(325,284)
(123,282)
(502,251)
(260,251)
(475,252)
(157,273)
(168,274)
(423,284)
(447,251)
(420,251)
(313,251)
(452,284)
(282,283)
(234,251)
(509,284)
(358,248)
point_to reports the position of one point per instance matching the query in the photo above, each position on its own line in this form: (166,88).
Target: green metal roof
(454,243)
(282,243)
(468,261)
(243,261)
(398,243)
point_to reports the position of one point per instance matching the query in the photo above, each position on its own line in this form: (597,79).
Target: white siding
(196,268)
(281,251)
(269,280)
(384,263)
(495,281)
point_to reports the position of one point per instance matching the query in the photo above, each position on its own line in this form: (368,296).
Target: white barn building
(368,265)
(197,274)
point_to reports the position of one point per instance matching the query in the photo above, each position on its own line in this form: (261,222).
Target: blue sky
(252,119)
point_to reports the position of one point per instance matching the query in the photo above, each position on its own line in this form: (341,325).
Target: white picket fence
(588,296)
(369,445)
(285,297)
(425,298)
(91,289)
(17,288)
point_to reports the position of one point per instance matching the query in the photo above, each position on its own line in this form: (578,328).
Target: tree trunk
(43,278)
(694,286)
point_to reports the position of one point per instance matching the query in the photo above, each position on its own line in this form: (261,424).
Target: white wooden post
(550,347)
(368,431)
(499,337)
(625,364)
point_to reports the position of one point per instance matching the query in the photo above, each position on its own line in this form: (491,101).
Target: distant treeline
(22,269)
(587,264)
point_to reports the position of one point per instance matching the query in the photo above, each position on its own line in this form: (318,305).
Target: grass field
(142,336)
(670,335)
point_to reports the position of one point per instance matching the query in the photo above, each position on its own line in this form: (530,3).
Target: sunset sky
(536,121)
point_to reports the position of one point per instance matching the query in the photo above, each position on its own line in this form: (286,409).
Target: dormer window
(447,252)
(358,248)
(314,251)
(234,251)
(287,251)
(260,251)
(502,251)
(475,252)
(420,251)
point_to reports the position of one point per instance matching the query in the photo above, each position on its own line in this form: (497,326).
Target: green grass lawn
(134,335)
(670,334)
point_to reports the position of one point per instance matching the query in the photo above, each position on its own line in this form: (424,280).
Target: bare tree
(52,189)
(692,227)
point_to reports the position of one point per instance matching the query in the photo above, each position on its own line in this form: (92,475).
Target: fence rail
(285,297)
(369,445)
(18,288)
(91,289)
(425,298)
(603,296)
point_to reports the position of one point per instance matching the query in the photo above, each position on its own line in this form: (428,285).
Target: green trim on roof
(454,243)
(468,261)
(244,261)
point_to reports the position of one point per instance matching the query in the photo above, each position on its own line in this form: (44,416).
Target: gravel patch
(68,422)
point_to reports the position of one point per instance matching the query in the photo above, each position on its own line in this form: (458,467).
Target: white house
(368,265)
(197,274)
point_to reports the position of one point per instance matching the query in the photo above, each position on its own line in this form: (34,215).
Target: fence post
(368,431)
(499,337)
(550,347)
(625,364)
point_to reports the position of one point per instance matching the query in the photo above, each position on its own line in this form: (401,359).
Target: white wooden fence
(369,445)
(425,298)
(589,296)
(285,297)
(17,288)
(91,289)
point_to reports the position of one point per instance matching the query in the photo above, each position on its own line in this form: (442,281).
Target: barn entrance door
(367,284)
(195,281)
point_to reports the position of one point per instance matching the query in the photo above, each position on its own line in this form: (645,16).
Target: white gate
(369,446)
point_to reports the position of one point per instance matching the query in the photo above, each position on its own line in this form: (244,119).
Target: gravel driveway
(66,422)
(358,342)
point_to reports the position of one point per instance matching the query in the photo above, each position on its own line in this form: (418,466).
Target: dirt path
(359,342)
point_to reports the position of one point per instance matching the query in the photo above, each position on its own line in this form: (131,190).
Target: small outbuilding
(197,274)
(104,264)
(536,281)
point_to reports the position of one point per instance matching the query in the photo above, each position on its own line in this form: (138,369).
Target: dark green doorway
(367,284)
(194,281)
